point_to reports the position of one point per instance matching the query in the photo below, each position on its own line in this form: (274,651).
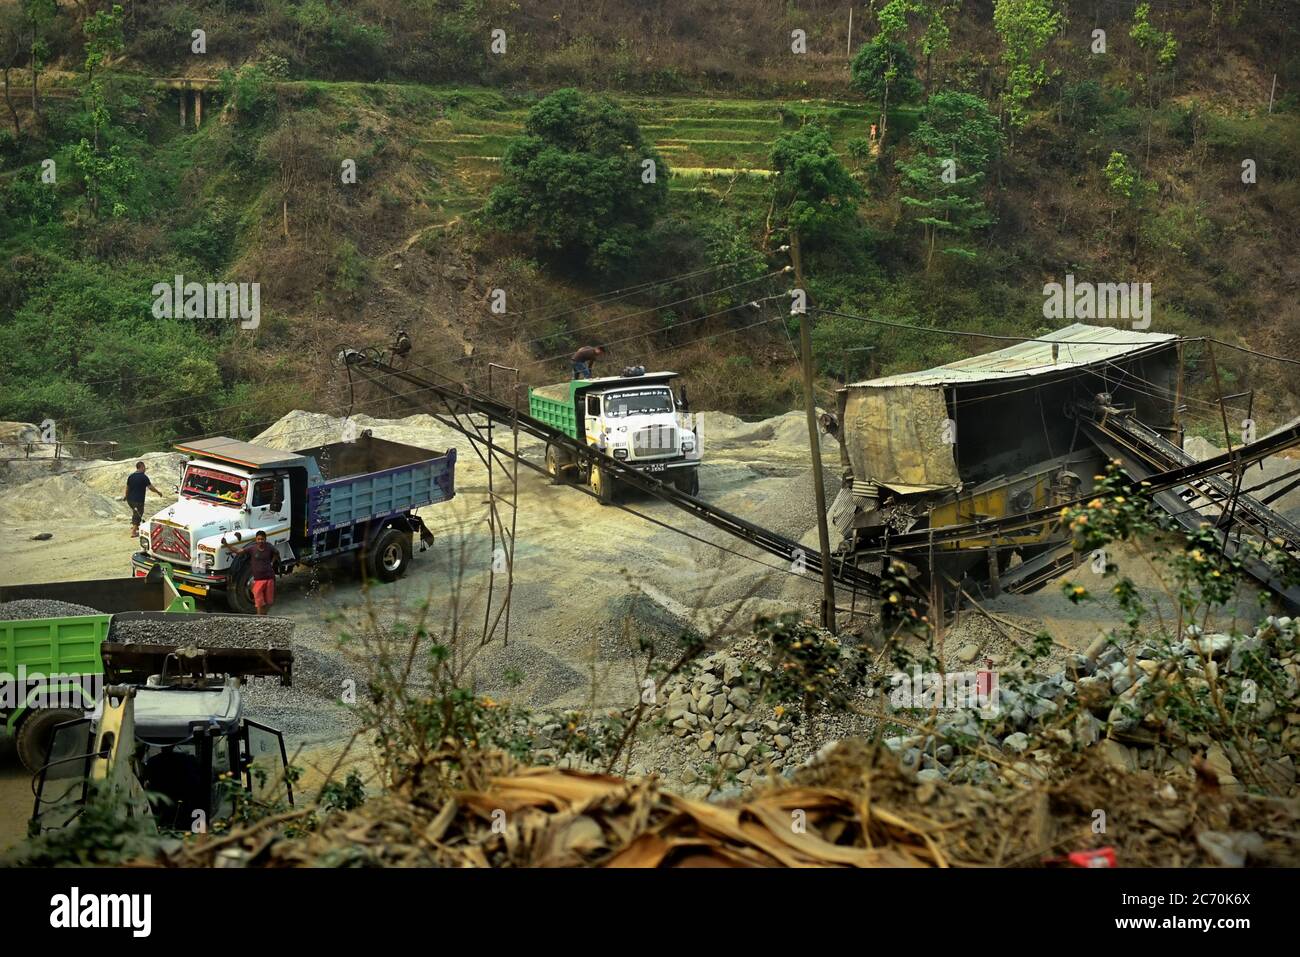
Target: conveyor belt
(1159,454)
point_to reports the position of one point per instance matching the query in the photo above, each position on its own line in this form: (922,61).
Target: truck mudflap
(426,536)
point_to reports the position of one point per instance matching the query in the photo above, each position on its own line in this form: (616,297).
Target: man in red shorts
(263,557)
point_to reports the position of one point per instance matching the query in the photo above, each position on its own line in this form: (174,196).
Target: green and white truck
(637,420)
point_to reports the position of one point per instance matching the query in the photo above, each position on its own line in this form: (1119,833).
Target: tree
(1130,191)
(1155,44)
(103,32)
(1025,26)
(814,194)
(108,175)
(13,30)
(39,16)
(937,36)
(581,181)
(881,69)
(958,139)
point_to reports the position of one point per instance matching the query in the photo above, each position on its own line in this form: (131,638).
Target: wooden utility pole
(814,442)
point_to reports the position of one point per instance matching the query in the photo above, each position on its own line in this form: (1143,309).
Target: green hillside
(294,90)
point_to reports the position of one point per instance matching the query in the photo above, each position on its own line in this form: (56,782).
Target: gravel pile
(25,609)
(522,672)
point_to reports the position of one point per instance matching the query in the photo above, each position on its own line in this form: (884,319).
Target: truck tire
(388,558)
(35,731)
(602,483)
(239,589)
(689,481)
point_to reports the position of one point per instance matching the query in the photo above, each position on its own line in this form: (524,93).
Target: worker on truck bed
(583,358)
(263,557)
(137,485)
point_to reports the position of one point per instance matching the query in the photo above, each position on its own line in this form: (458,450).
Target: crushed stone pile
(25,609)
(206,631)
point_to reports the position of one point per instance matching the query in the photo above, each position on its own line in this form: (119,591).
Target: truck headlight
(144,543)
(620,453)
(688,443)
(203,562)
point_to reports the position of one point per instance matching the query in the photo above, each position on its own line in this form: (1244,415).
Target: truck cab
(175,748)
(638,420)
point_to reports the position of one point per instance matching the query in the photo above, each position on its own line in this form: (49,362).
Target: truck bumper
(186,580)
(666,465)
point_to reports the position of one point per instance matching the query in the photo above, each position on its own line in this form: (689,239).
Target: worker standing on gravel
(264,558)
(137,485)
(583,358)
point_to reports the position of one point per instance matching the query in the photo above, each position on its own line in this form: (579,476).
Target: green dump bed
(53,645)
(557,405)
(35,650)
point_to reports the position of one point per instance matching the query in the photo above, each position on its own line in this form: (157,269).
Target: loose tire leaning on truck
(34,733)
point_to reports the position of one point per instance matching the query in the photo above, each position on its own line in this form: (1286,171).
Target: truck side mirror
(686,402)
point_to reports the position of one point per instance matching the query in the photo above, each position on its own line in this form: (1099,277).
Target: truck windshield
(211,486)
(641,402)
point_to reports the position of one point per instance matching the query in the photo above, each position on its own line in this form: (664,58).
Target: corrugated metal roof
(1076,346)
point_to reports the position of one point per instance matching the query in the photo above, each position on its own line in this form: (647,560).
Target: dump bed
(374,478)
(52,646)
(556,406)
(155,593)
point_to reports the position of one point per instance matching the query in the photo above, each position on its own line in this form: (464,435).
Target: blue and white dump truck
(343,499)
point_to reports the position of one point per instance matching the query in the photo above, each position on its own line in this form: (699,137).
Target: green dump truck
(51,668)
(636,419)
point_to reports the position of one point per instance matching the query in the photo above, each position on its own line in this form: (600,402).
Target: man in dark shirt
(583,358)
(263,558)
(137,485)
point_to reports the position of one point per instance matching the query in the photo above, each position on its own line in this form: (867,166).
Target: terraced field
(711,145)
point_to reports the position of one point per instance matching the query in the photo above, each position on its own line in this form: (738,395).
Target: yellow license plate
(200,590)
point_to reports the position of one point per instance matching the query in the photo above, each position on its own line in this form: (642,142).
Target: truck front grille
(654,442)
(166,540)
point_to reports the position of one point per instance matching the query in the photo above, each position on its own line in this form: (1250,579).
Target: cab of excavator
(193,753)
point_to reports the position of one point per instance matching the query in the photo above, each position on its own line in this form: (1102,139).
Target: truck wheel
(602,483)
(553,465)
(390,555)
(35,732)
(689,482)
(239,591)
